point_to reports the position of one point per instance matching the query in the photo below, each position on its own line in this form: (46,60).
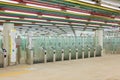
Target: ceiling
(60,16)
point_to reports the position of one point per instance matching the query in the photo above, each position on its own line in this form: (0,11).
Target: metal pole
(62,54)
(69,54)
(76,53)
(54,56)
(94,52)
(82,53)
(88,52)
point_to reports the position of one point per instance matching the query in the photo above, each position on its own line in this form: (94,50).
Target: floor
(100,68)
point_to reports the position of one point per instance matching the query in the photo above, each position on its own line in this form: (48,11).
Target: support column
(99,38)
(9,43)
(30,49)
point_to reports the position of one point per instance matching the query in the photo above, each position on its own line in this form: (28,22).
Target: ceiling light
(110,6)
(9,17)
(43,24)
(10,1)
(112,23)
(42,6)
(93,25)
(97,21)
(82,13)
(61,25)
(78,23)
(35,19)
(29,25)
(53,16)
(88,1)
(58,22)
(19,22)
(110,3)
(117,18)
(20,12)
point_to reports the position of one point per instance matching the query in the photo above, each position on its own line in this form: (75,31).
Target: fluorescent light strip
(92,2)
(78,12)
(35,19)
(9,17)
(97,21)
(112,23)
(110,6)
(30,19)
(53,16)
(61,25)
(93,25)
(19,22)
(76,26)
(10,1)
(110,2)
(117,18)
(78,19)
(42,6)
(29,25)
(58,22)
(20,12)
(74,19)
(78,23)
(43,24)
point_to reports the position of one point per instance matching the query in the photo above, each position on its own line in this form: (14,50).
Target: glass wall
(67,44)
(112,42)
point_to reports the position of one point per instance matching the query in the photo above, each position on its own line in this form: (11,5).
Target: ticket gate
(1,60)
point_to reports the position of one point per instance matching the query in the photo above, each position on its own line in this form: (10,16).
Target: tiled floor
(101,68)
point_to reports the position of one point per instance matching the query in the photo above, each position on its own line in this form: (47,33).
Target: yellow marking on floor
(16,73)
(23,66)
(19,71)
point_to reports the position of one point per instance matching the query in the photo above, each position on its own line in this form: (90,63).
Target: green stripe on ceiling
(61,13)
(84,5)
